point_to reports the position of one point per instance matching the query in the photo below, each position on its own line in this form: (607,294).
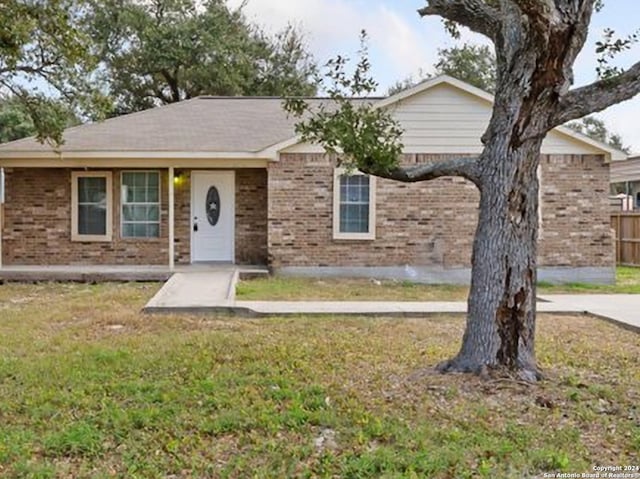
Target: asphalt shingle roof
(203,124)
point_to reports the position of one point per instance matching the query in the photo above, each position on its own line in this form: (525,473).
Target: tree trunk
(501,307)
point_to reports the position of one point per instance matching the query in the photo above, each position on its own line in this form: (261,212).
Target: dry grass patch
(89,387)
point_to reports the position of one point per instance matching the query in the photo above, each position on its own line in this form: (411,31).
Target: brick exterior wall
(432,223)
(251,216)
(37,222)
(285,217)
(576,221)
(182,212)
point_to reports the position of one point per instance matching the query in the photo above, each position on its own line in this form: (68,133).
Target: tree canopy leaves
(596,129)
(44,57)
(473,64)
(169,50)
(348,125)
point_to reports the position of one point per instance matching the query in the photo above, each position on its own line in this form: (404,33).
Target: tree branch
(464,167)
(473,14)
(598,96)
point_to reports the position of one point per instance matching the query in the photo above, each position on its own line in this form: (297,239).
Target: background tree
(536,44)
(44,57)
(476,65)
(597,129)
(16,121)
(164,51)
(473,64)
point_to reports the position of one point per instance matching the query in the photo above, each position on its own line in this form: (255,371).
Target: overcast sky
(402,44)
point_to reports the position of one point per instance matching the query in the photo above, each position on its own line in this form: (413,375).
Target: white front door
(212,215)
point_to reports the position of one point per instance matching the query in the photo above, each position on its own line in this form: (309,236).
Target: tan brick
(37,223)
(432,223)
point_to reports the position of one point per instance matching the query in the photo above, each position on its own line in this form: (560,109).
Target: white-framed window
(354,205)
(91,206)
(140,204)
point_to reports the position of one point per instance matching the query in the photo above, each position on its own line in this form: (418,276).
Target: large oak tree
(536,44)
(156,52)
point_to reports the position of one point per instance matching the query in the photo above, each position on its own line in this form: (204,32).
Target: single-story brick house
(227,180)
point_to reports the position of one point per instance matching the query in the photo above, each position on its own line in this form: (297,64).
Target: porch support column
(172,262)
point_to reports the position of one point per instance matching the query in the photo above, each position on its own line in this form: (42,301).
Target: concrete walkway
(214,292)
(374,308)
(196,292)
(623,309)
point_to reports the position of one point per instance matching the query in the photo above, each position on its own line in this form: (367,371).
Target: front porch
(148,228)
(97,273)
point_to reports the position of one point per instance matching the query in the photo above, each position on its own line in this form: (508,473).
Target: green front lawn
(91,388)
(282,288)
(627,282)
(352,289)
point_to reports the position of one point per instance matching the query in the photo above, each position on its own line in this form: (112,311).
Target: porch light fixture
(178,178)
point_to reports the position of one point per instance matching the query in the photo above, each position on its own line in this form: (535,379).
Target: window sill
(91,239)
(354,236)
(132,239)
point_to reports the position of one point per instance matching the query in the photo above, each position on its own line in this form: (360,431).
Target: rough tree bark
(536,45)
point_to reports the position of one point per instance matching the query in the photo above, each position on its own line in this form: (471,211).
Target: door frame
(231,174)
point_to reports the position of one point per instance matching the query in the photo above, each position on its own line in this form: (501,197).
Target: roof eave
(92,154)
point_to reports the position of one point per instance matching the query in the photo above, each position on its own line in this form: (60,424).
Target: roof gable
(443,115)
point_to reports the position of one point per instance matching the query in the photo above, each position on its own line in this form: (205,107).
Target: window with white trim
(140,200)
(91,206)
(353,205)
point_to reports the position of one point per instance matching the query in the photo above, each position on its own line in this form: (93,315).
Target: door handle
(195,224)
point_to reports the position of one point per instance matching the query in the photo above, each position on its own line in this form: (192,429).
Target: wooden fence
(627,237)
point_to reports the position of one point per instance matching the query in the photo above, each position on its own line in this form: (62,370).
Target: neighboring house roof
(627,170)
(226,127)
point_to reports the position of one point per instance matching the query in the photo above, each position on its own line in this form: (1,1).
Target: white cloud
(397,47)
(623,120)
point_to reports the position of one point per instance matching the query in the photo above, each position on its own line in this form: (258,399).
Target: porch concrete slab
(99,273)
(195,291)
(85,273)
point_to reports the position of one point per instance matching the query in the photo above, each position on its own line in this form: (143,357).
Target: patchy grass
(354,289)
(91,388)
(627,282)
(283,288)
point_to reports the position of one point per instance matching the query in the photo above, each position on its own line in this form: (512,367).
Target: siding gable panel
(444,119)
